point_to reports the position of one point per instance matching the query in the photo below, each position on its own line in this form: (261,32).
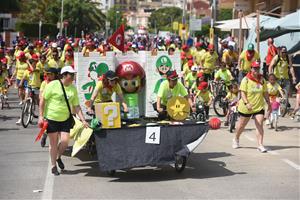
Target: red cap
(200,75)
(202,85)
(185,47)
(198,44)
(211,46)
(190,63)
(172,75)
(21,55)
(255,64)
(35,57)
(189,57)
(4,60)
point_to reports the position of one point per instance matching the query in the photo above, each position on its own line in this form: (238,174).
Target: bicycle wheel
(33,109)
(220,106)
(2,102)
(26,113)
(284,104)
(233,118)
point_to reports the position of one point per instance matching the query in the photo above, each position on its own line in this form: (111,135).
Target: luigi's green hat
(250,47)
(163,61)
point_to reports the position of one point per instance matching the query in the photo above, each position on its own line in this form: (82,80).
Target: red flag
(43,127)
(117,39)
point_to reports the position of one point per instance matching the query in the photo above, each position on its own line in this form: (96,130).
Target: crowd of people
(46,69)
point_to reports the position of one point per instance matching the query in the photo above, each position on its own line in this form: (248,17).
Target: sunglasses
(256,68)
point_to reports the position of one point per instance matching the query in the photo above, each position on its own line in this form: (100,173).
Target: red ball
(214,123)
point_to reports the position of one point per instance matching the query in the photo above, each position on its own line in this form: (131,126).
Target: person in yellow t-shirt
(105,89)
(223,74)
(21,67)
(55,62)
(209,62)
(232,97)
(230,57)
(254,94)
(191,78)
(4,76)
(198,52)
(187,67)
(246,58)
(57,114)
(170,88)
(205,96)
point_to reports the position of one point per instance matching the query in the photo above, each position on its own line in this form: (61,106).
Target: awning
(288,22)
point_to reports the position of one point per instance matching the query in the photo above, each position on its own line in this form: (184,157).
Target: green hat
(163,60)
(250,47)
(95,124)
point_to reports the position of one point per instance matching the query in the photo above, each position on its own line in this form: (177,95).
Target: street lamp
(61,17)
(117,12)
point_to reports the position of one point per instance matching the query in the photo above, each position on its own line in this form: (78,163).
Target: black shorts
(55,126)
(262,112)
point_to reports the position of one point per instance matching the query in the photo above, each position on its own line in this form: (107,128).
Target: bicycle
(200,114)
(3,98)
(233,116)
(28,110)
(219,104)
(284,103)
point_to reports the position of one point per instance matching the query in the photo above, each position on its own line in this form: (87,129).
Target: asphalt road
(214,170)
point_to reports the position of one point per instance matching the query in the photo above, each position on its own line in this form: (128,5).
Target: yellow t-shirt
(166,93)
(224,75)
(255,95)
(55,64)
(281,70)
(191,79)
(21,68)
(33,78)
(104,94)
(228,57)
(204,96)
(198,55)
(43,85)
(3,76)
(246,64)
(186,70)
(209,62)
(56,108)
(231,97)
(273,90)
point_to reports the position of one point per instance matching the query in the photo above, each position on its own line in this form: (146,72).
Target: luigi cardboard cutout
(132,80)
(163,65)
(95,72)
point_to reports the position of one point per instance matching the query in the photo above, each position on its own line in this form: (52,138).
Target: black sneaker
(60,163)
(43,140)
(226,123)
(55,171)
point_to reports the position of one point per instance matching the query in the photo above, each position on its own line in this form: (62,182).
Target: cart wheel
(180,162)
(111,172)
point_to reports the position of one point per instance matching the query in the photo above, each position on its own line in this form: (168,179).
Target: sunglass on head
(255,68)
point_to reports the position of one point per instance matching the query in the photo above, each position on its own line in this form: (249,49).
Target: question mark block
(109,114)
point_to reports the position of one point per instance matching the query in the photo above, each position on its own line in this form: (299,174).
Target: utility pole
(61,17)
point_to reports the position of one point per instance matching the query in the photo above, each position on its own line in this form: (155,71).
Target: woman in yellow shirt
(254,94)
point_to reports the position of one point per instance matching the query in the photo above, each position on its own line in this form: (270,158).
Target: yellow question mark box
(109,114)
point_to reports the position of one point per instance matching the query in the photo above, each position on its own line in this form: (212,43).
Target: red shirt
(272,51)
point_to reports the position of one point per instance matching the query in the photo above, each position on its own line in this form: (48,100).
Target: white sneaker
(262,149)
(235,144)
(268,122)
(18,122)
(5,97)
(21,102)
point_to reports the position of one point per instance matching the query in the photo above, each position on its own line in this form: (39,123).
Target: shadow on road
(199,166)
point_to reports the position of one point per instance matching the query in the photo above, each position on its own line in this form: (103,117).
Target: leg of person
(53,137)
(259,118)
(243,121)
(64,141)
(227,117)
(206,108)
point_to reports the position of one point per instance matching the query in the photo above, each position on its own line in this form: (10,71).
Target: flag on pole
(117,39)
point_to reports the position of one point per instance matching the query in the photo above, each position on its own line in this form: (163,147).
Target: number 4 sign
(152,135)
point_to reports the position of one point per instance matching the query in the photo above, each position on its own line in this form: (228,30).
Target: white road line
(49,182)
(249,138)
(273,152)
(292,164)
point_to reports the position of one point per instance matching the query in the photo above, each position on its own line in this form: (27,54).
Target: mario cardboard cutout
(132,79)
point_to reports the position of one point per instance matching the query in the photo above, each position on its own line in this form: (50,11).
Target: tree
(115,17)
(224,14)
(9,6)
(163,18)
(80,14)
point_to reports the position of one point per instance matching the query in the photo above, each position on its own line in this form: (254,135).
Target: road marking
(292,164)
(249,138)
(49,182)
(273,152)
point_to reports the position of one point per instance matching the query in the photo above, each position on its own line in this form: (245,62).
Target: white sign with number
(152,135)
